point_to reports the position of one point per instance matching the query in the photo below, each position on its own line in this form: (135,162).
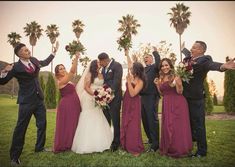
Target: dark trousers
(37,108)
(114,114)
(197,121)
(149,113)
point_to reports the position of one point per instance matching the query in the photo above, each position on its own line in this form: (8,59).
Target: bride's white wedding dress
(93,133)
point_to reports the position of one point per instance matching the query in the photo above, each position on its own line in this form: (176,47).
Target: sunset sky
(212,22)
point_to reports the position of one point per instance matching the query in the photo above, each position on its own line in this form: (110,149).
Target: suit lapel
(20,67)
(110,66)
(146,69)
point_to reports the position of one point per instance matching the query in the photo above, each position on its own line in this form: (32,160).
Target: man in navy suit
(30,98)
(112,72)
(194,91)
(149,101)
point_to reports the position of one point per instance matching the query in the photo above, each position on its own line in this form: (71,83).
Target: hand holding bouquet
(103,96)
(74,47)
(184,71)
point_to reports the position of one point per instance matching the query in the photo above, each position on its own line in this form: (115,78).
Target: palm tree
(77,28)
(13,39)
(128,25)
(180,20)
(34,31)
(52,32)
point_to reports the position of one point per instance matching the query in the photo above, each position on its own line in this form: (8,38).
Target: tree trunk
(32,50)
(52,60)
(13,81)
(180,48)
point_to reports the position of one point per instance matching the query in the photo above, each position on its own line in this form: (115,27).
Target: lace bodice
(97,83)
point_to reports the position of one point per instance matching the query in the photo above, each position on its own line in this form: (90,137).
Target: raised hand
(55,48)
(7,68)
(155,48)
(229,65)
(156,81)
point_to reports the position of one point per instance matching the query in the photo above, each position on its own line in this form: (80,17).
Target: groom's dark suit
(113,78)
(30,100)
(194,93)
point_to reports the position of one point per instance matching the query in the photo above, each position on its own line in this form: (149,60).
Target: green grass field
(220,137)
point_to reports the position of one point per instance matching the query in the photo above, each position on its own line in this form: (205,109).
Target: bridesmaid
(176,139)
(131,139)
(68,110)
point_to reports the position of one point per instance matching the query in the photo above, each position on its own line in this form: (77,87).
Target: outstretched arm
(129,62)
(229,65)
(47,61)
(156,57)
(72,71)
(6,74)
(186,52)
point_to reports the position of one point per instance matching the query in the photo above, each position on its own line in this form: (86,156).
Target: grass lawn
(220,137)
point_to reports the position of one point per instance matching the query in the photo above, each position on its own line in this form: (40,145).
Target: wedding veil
(80,87)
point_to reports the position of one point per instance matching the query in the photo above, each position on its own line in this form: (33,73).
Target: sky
(211,21)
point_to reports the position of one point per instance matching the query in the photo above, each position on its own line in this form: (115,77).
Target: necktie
(31,69)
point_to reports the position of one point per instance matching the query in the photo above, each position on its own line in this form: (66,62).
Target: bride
(93,133)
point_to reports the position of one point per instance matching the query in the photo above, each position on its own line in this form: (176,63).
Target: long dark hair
(93,70)
(138,71)
(171,73)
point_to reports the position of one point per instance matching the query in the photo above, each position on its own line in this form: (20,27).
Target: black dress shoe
(197,155)
(113,148)
(151,150)
(44,150)
(15,162)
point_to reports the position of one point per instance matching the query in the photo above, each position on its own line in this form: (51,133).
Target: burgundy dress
(176,139)
(131,139)
(67,117)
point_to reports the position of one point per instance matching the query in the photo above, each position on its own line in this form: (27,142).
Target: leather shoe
(113,148)
(151,150)
(44,150)
(15,162)
(197,155)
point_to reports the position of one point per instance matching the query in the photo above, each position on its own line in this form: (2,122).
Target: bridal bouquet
(184,71)
(103,96)
(73,47)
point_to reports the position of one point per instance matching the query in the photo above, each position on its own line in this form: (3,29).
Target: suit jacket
(113,77)
(29,87)
(152,71)
(203,64)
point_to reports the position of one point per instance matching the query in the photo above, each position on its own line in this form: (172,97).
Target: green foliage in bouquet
(75,46)
(124,43)
(184,72)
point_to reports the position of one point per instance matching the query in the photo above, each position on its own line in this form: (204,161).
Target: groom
(112,73)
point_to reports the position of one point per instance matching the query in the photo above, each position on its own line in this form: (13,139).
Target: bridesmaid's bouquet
(73,47)
(124,43)
(184,71)
(103,96)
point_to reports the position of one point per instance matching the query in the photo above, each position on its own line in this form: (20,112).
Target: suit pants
(197,121)
(114,114)
(149,113)
(36,108)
